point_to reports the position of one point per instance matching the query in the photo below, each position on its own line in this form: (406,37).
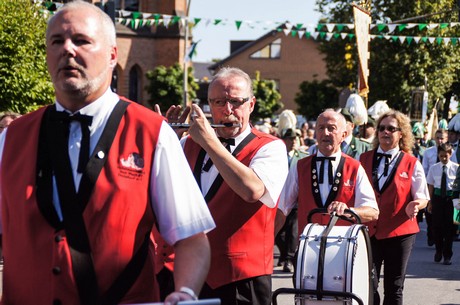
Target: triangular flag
(411,25)
(424,39)
(322,35)
(238,24)
(175,19)
(340,27)
(394,38)
(286,31)
(293,33)
(328,36)
(301,33)
(136,15)
(391,28)
(443,25)
(344,35)
(409,39)
(330,27)
(421,26)
(401,39)
(319,27)
(381,27)
(433,26)
(454,41)
(299,26)
(446,41)
(417,39)
(431,39)
(217,21)
(315,35)
(196,21)
(307,35)
(401,27)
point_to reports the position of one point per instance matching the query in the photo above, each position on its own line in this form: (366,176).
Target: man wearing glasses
(241,172)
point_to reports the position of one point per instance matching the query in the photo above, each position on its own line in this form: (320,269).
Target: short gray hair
(227,72)
(108,26)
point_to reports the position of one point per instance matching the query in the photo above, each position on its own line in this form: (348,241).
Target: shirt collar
(101,106)
(392,151)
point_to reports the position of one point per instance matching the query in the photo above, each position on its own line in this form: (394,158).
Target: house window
(127,5)
(134,84)
(272,50)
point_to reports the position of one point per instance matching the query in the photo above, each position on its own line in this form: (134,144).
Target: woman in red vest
(401,191)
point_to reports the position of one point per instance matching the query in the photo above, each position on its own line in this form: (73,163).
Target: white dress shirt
(435,173)
(269,163)
(419,188)
(176,199)
(364,193)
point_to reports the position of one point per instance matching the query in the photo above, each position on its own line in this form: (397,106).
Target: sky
(214,40)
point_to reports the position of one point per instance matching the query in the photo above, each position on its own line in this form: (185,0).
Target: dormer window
(272,50)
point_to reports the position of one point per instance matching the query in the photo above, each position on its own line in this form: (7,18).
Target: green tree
(166,86)
(314,97)
(268,98)
(396,68)
(24,81)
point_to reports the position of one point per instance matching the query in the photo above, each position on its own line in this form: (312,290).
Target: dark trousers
(443,225)
(394,254)
(252,291)
(287,238)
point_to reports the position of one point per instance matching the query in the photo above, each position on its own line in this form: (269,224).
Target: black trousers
(443,225)
(394,254)
(252,291)
(287,238)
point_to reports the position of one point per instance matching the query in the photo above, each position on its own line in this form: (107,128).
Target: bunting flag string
(323,31)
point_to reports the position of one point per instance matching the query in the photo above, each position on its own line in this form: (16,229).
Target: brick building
(145,48)
(285,59)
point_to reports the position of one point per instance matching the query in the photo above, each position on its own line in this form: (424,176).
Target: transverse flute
(185,125)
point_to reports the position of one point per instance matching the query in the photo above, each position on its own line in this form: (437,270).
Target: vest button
(58,238)
(56,270)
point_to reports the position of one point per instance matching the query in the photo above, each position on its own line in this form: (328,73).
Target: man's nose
(68,47)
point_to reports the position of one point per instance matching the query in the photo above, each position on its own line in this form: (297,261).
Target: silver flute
(185,125)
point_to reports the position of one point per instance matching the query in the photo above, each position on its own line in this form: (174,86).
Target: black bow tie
(387,162)
(321,170)
(85,121)
(229,141)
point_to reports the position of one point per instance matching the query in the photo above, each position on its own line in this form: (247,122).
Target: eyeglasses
(391,129)
(234,101)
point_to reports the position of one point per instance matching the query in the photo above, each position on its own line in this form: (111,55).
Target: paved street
(427,282)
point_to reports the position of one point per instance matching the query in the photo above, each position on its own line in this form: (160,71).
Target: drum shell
(347,263)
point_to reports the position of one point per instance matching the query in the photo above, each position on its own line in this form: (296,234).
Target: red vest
(393,220)
(242,242)
(306,199)
(118,216)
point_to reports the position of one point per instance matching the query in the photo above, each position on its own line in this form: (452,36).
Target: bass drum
(336,269)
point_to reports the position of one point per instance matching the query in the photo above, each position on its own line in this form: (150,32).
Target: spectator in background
(352,146)
(310,140)
(6,118)
(286,239)
(367,131)
(440,179)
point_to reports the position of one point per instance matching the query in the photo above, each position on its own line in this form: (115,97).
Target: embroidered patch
(404,175)
(132,167)
(134,161)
